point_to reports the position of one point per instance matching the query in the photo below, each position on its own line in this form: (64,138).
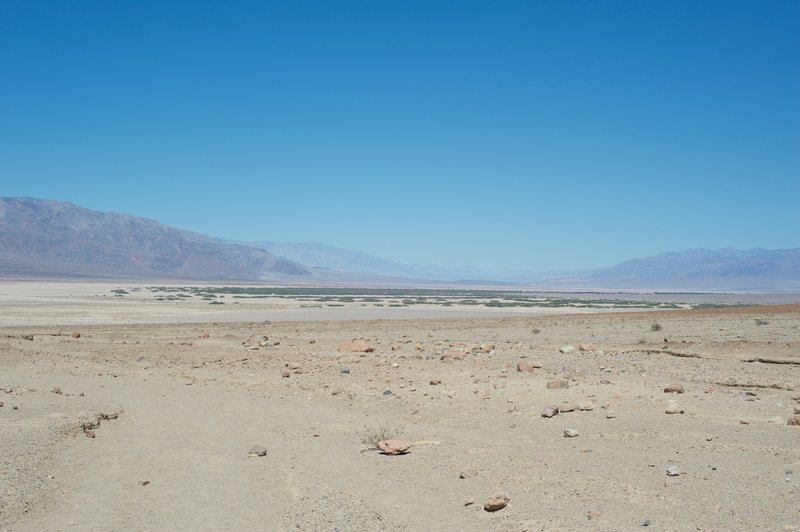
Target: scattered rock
(257,450)
(468,473)
(672,407)
(56,390)
(28,337)
(549,411)
(570,433)
(487,348)
(436,382)
(76,335)
(674,388)
(586,347)
(566,349)
(557,385)
(88,432)
(565,407)
(585,407)
(496,502)
(794,420)
(357,345)
(673,471)
(393,447)
(525,367)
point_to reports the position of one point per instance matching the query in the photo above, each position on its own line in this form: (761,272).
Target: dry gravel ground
(190,400)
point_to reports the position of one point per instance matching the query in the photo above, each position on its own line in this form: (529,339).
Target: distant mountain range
(44,238)
(50,238)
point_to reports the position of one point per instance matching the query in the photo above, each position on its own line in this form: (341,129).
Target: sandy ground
(176,406)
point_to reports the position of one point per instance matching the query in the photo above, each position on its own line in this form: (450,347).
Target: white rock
(566,349)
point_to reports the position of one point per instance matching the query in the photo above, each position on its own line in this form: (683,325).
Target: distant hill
(319,255)
(697,270)
(49,238)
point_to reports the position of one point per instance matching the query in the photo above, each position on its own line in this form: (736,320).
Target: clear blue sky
(505,135)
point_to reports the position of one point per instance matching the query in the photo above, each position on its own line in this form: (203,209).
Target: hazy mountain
(319,255)
(50,238)
(699,269)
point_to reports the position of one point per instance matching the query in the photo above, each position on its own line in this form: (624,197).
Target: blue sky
(503,135)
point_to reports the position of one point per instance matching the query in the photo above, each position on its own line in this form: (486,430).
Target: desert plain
(134,412)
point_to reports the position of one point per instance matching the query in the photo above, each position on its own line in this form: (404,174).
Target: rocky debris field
(600,421)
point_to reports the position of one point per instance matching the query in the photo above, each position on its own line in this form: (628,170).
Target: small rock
(593,515)
(204,335)
(76,335)
(496,502)
(393,447)
(775,419)
(672,407)
(570,433)
(586,347)
(469,502)
(549,411)
(285,374)
(610,414)
(794,420)
(189,380)
(797,409)
(452,355)
(585,407)
(387,392)
(257,450)
(525,367)
(566,349)
(144,482)
(88,432)
(673,471)
(436,382)
(709,389)
(674,388)
(344,370)
(56,390)
(1,404)
(565,407)
(745,421)
(646,522)
(557,385)
(468,473)
(487,348)
(357,345)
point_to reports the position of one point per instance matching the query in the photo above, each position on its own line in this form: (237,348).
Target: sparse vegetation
(386,430)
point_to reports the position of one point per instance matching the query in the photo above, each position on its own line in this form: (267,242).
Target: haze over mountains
(45,238)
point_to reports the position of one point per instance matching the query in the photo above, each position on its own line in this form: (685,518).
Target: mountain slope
(43,237)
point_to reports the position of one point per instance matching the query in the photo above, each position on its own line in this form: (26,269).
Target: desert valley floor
(134,414)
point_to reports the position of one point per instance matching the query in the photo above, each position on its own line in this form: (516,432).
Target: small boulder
(357,345)
(570,433)
(674,388)
(496,502)
(257,450)
(393,447)
(549,411)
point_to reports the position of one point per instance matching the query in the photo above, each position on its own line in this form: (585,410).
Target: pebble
(646,522)
(549,411)
(56,390)
(570,433)
(285,374)
(468,473)
(496,502)
(744,422)
(76,335)
(257,450)
(435,382)
(557,385)
(387,392)
(144,482)
(673,471)
(345,370)
(674,388)
(610,414)
(566,349)
(672,407)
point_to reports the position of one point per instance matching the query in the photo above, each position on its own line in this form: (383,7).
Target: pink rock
(525,367)
(549,411)
(586,347)
(496,502)
(393,447)
(358,345)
